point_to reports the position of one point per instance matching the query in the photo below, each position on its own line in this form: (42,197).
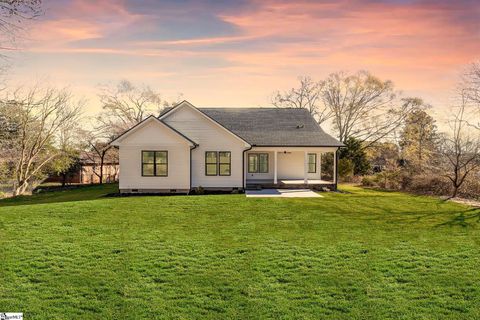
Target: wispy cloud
(262,44)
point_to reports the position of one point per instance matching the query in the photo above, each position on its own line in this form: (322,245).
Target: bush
(471,188)
(405,180)
(430,184)
(389,178)
(199,190)
(368,181)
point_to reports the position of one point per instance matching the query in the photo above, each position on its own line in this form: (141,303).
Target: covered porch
(291,167)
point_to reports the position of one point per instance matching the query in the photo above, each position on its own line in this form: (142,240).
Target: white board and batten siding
(154,136)
(209,136)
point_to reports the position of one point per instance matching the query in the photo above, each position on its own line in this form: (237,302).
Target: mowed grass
(359,255)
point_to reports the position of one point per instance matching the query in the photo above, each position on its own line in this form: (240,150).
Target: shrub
(389,178)
(430,184)
(368,181)
(471,188)
(405,180)
(199,190)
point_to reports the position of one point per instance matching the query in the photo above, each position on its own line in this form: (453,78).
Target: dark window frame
(309,163)
(155,163)
(207,163)
(257,155)
(224,163)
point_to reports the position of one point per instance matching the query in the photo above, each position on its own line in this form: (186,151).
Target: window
(258,163)
(312,163)
(218,163)
(225,163)
(154,163)
(252,163)
(211,163)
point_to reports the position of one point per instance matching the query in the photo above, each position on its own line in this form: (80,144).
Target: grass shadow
(83,193)
(468,218)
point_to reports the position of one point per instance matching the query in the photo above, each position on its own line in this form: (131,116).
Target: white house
(224,149)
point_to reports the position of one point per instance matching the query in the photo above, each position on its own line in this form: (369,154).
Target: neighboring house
(88,171)
(224,149)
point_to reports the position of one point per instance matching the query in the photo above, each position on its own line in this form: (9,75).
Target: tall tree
(39,115)
(382,154)
(124,105)
(419,139)
(307,95)
(364,107)
(69,146)
(460,149)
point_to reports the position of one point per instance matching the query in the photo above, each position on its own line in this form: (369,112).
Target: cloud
(265,44)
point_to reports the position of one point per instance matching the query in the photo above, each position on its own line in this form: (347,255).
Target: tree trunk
(20,189)
(102,159)
(455,192)
(64,180)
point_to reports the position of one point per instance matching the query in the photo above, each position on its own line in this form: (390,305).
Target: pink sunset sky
(236,53)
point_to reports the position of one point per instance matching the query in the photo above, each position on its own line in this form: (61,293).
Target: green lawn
(363,255)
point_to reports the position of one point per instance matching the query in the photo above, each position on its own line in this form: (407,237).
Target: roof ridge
(258,108)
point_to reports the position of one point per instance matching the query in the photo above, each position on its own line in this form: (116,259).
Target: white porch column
(275,166)
(334,174)
(305,168)
(319,164)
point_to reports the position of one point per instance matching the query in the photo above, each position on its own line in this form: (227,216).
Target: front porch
(291,167)
(254,184)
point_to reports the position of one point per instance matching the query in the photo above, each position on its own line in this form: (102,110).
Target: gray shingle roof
(272,126)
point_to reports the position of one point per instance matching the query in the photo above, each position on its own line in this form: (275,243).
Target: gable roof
(273,126)
(167,111)
(141,123)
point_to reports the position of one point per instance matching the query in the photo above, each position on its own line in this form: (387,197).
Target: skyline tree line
(43,129)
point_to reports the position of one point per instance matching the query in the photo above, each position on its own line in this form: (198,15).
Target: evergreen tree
(355,152)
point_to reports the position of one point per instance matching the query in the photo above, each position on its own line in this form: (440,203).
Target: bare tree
(461,149)
(365,107)
(38,115)
(471,82)
(470,88)
(97,156)
(125,105)
(308,95)
(12,14)
(99,152)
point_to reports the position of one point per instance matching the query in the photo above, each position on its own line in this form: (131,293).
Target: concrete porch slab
(282,193)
